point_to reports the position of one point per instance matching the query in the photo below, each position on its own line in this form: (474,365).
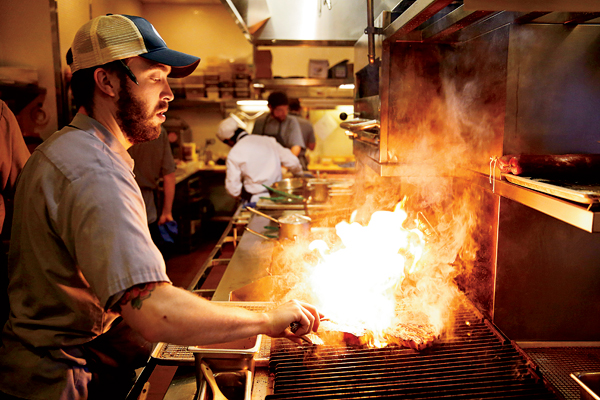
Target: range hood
(343,22)
(304,23)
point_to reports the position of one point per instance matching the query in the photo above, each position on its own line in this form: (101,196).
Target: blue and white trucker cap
(114,37)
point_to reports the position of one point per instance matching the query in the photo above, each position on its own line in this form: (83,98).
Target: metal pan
(292,227)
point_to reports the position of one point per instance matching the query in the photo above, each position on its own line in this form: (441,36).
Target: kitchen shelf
(572,213)
(580,215)
(280,83)
(202,103)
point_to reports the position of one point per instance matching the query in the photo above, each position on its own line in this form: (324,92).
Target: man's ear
(106,82)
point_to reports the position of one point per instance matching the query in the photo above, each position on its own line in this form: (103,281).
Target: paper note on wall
(325,126)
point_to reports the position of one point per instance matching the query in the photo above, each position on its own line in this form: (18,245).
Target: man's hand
(283,316)
(164,218)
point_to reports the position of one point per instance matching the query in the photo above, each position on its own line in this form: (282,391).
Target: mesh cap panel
(105,39)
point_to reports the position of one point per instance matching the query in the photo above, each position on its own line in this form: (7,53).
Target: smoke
(446,123)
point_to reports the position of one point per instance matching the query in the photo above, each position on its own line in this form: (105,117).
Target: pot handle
(262,214)
(258,234)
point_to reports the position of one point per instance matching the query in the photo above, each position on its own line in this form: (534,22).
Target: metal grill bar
(472,362)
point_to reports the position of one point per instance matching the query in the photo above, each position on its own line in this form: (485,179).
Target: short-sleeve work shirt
(79,238)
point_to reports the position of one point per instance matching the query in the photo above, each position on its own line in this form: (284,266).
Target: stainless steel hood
(343,22)
(293,22)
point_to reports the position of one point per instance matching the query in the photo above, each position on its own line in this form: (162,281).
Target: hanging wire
(492,176)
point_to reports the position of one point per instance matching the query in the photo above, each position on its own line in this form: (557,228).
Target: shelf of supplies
(202,103)
(279,83)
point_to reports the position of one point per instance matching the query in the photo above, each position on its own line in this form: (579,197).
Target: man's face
(141,108)
(280,112)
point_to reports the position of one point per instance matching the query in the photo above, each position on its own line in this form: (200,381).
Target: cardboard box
(195,93)
(212,92)
(318,68)
(211,79)
(339,70)
(193,80)
(240,69)
(262,64)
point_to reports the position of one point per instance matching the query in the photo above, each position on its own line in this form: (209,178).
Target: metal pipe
(370,32)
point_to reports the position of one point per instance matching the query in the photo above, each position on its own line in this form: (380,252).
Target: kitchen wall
(206,30)
(26,41)
(293,61)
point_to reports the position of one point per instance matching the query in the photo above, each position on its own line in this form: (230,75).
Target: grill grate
(557,363)
(474,362)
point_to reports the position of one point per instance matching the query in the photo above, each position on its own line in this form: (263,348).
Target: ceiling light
(252,102)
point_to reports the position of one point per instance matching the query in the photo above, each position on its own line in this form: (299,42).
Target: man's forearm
(164,313)
(173,315)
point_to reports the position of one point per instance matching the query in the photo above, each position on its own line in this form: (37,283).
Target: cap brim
(181,64)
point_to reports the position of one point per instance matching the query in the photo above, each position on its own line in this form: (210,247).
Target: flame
(358,284)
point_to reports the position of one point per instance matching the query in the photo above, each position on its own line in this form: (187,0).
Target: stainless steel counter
(250,261)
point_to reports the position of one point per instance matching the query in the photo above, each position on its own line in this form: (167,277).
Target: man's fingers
(312,315)
(307,322)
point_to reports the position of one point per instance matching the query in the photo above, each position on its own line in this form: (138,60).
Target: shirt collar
(93,127)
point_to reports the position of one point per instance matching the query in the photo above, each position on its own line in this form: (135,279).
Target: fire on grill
(414,336)
(380,286)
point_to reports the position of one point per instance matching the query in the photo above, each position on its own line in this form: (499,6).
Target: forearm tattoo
(137,294)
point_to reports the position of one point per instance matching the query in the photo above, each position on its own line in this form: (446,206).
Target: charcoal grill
(474,361)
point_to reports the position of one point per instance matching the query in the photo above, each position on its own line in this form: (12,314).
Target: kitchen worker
(13,156)
(308,132)
(277,123)
(253,161)
(154,161)
(81,256)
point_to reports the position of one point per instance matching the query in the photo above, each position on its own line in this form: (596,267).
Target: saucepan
(289,191)
(290,185)
(319,190)
(293,226)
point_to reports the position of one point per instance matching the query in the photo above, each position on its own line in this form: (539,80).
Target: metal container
(589,383)
(319,191)
(235,355)
(290,185)
(294,227)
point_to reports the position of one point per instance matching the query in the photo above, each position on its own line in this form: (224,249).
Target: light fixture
(252,105)
(252,102)
(258,85)
(345,108)
(346,86)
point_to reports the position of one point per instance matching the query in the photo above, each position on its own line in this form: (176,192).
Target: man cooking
(81,254)
(277,123)
(308,132)
(253,161)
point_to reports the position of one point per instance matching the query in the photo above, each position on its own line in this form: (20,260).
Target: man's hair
(276,99)
(83,84)
(294,105)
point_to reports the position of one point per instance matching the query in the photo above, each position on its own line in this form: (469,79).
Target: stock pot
(292,227)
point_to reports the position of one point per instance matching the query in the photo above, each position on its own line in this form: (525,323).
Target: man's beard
(133,119)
